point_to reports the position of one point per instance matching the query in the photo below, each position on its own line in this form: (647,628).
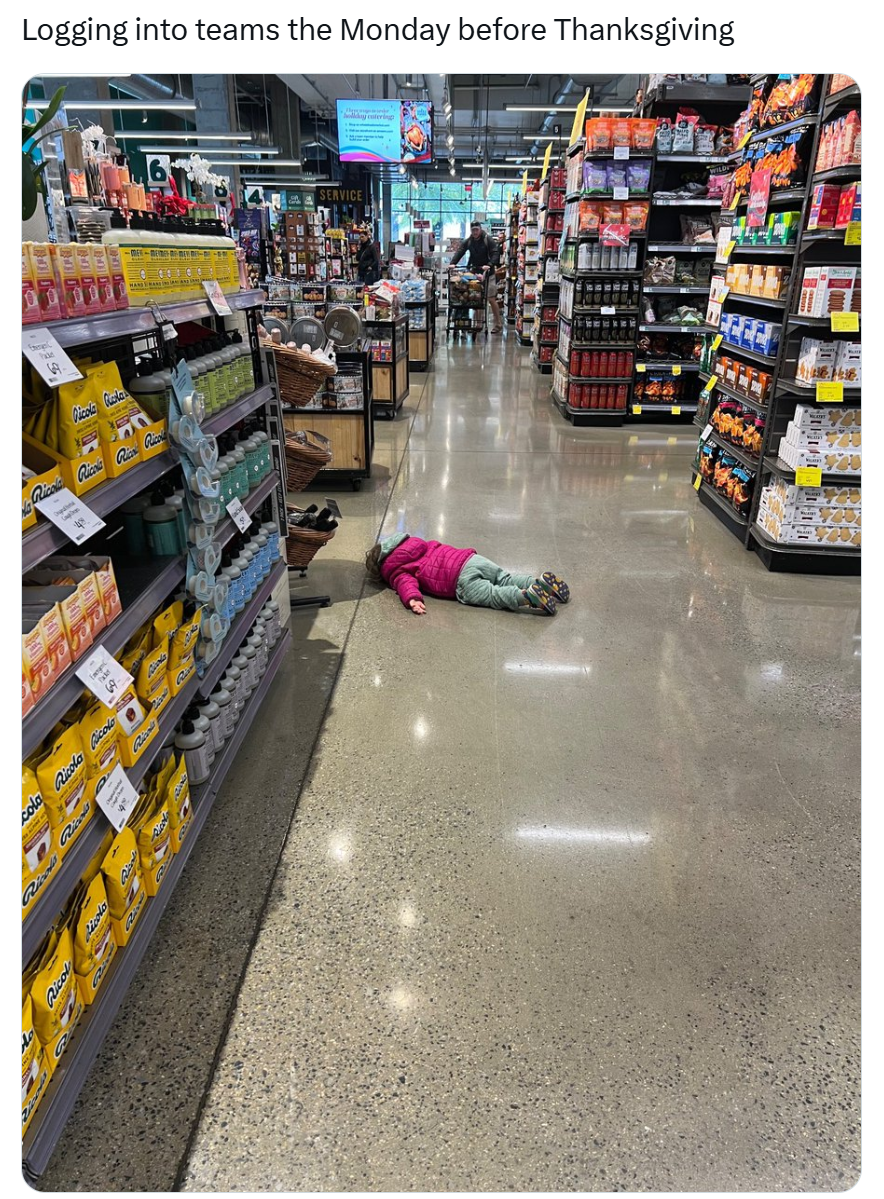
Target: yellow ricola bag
(152,828)
(36,831)
(61,776)
(166,623)
(94,943)
(177,792)
(77,419)
(35,1071)
(184,642)
(126,896)
(99,734)
(56,996)
(152,672)
(114,402)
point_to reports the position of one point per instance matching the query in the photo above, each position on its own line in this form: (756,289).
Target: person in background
(368,264)
(484,256)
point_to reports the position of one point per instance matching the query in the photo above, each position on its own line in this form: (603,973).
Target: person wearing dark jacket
(368,264)
(484,255)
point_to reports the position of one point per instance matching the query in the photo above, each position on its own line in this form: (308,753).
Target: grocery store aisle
(572,903)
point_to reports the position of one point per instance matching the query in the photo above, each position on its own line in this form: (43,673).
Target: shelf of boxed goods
(129,322)
(45,538)
(72,1070)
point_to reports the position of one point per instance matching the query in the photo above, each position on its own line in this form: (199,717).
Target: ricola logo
(182,674)
(93,925)
(33,806)
(133,915)
(126,453)
(88,470)
(160,827)
(142,739)
(85,413)
(160,664)
(42,491)
(152,440)
(112,398)
(98,735)
(56,989)
(66,773)
(182,783)
(126,872)
(34,886)
(70,830)
(26,509)
(26,1039)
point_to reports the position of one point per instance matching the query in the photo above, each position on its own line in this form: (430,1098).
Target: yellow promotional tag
(717,340)
(845,322)
(636,409)
(672,441)
(641,367)
(697,481)
(853,233)
(728,249)
(723,294)
(546,157)
(744,140)
(734,202)
(832,393)
(676,370)
(524,183)
(710,386)
(809,476)
(676,410)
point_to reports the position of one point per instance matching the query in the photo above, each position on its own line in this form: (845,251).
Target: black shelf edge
(785,471)
(814,235)
(851,170)
(677,247)
(673,290)
(127,322)
(655,367)
(746,248)
(761,301)
(239,628)
(601,345)
(740,455)
(687,202)
(783,547)
(776,130)
(649,407)
(741,352)
(44,913)
(807,391)
(706,159)
(68,689)
(235,412)
(733,394)
(797,318)
(633,234)
(720,503)
(846,95)
(661,328)
(73,1069)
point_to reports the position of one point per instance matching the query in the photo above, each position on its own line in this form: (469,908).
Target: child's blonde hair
(373,564)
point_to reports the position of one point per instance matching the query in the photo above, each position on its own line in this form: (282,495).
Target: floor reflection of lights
(553,832)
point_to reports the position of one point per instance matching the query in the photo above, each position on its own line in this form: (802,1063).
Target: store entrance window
(449,207)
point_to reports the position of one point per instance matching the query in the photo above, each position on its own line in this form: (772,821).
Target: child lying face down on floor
(413,567)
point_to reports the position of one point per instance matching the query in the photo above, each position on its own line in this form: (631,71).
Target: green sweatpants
(484,584)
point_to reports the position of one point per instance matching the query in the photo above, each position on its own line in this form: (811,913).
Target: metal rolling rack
(144,585)
(823,247)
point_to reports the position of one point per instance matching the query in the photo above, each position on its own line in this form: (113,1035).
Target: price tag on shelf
(47,357)
(705,434)
(710,385)
(216,297)
(117,798)
(717,340)
(845,322)
(608,311)
(676,370)
(641,367)
(676,409)
(636,409)
(827,393)
(104,676)
(621,153)
(853,233)
(734,204)
(809,476)
(723,294)
(697,481)
(238,515)
(728,250)
(71,515)
(744,140)
(621,193)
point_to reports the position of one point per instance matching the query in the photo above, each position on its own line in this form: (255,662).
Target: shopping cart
(467,303)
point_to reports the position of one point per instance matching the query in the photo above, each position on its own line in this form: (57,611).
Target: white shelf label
(621,152)
(104,676)
(705,434)
(238,515)
(71,515)
(216,297)
(608,311)
(117,798)
(621,193)
(47,357)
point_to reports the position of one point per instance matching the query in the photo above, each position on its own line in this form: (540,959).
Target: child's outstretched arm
(407,589)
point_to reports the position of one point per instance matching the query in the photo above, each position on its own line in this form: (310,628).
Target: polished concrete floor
(565,904)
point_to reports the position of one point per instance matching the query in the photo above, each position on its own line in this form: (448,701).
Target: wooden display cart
(421,341)
(389,380)
(349,429)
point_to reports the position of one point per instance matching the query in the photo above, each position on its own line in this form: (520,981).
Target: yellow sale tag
(852,233)
(525,183)
(744,140)
(723,294)
(830,393)
(717,340)
(676,370)
(546,156)
(676,410)
(697,481)
(636,409)
(641,367)
(728,249)
(579,117)
(845,322)
(710,385)
(734,202)
(809,476)
(672,441)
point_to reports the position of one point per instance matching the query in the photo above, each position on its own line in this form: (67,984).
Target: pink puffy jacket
(418,565)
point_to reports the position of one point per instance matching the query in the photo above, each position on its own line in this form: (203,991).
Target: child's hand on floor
(417,607)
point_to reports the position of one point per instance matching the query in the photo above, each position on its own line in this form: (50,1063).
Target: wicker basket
(299,375)
(304,462)
(302,545)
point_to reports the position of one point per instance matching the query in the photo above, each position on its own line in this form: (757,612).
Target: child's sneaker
(555,586)
(537,597)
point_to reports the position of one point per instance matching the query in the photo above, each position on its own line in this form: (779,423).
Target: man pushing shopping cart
(484,257)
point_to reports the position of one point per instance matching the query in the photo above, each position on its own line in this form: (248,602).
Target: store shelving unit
(389,379)
(144,586)
(551,210)
(512,261)
(421,337)
(814,248)
(528,266)
(70,1074)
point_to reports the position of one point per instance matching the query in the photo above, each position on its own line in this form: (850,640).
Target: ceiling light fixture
(208,150)
(537,108)
(181,137)
(544,137)
(275,162)
(121,105)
